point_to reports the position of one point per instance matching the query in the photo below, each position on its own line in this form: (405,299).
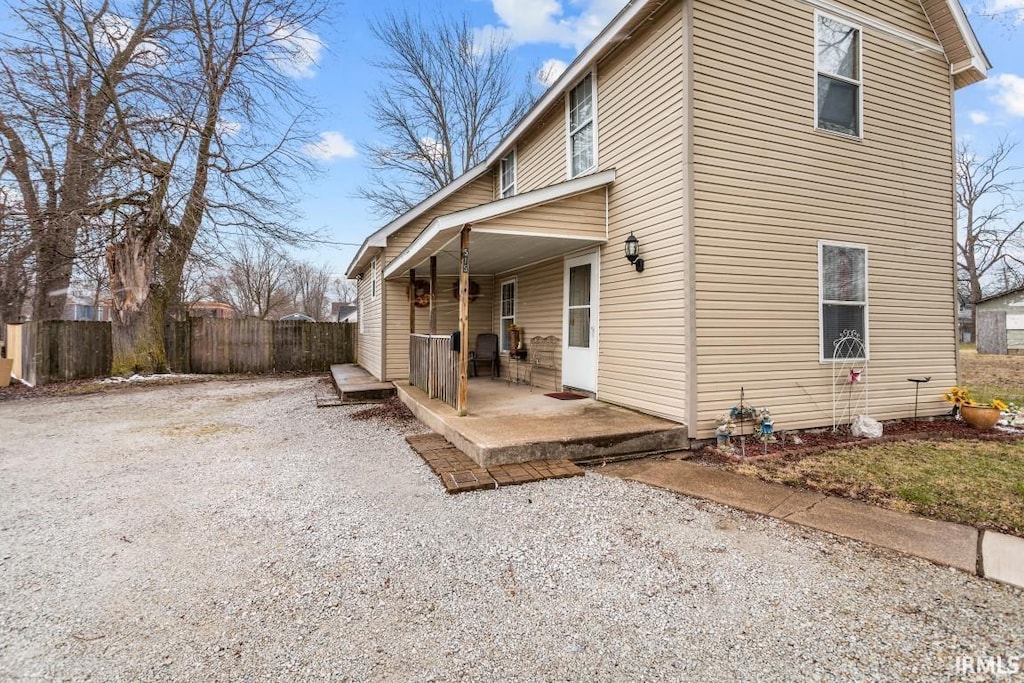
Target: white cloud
(296,51)
(550,71)
(1010,93)
(331,145)
(978,118)
(547,21)
(431,148)
(228,128)
(114,32)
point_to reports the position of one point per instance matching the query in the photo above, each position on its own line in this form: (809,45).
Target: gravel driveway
(232,531)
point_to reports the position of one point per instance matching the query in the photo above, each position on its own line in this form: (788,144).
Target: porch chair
(486,351)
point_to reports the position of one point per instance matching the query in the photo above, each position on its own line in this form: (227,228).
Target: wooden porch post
(412,301)
(463,396)
(432,359)
(433,295)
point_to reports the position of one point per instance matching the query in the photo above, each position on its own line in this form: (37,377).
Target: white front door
(579,328)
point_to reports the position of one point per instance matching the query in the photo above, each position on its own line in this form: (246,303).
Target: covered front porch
(514,248)
(510,423)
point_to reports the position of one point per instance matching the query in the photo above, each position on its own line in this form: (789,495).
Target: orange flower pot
(980,417)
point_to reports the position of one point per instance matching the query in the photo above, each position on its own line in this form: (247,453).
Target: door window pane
(579,285)
(579,327)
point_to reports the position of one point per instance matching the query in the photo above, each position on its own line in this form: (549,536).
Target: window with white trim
(582,129)
(373,279)
(837,59)
(843,292)
(507,175)
(508,311)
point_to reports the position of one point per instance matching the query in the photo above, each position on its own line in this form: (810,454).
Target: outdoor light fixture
(633,251)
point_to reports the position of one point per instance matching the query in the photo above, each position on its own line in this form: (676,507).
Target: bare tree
(15,257)
(448,98)
(221,159)
(58,84)
(990,228)
(255,281)
(311,289)
(344,290)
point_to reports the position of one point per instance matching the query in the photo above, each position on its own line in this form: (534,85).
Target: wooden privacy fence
(59,350)
(434,367)
(217,345)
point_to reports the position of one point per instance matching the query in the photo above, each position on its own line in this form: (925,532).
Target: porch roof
(517,231)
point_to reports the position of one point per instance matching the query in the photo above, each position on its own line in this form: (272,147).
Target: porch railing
(433,366)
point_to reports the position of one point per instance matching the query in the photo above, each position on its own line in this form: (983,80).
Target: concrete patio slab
(507,423)
(946,543)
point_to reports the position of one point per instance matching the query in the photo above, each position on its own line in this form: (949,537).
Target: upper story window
(508,175)
(844,301)
(373,279)
(839,82)
(582,128)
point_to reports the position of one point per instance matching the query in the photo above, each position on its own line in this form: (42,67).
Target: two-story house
(783,170)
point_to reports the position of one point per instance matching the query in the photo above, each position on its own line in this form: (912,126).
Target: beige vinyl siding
(540,156)
(538,312)
(580,216)
(370,340)
(640,105)
(768,187)
(907,15)
(396,336)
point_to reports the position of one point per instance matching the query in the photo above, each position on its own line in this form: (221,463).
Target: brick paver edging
(460,473)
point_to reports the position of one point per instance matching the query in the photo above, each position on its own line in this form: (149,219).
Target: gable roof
(968,64)
(967,60)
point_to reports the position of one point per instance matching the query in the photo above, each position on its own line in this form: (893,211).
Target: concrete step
(356,385)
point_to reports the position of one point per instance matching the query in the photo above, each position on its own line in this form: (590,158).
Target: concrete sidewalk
(946,543)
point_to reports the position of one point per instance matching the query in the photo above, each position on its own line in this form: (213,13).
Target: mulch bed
(390,413)
(820,441)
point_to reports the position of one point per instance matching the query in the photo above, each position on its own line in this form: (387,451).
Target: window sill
(841,136)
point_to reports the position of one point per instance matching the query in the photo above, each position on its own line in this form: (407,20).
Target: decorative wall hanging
(474,290)
(419,292)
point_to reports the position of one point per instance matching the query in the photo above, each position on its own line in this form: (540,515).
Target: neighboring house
(79,311)
(786,168)
(342,312)
(85,304)
(1001,322)
(210,309)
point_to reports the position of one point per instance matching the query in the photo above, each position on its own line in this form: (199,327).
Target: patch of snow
(144,378)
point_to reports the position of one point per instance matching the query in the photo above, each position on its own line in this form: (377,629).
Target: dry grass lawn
(971,482)
(989,376)
(968,481)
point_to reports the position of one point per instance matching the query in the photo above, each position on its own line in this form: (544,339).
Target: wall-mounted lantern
(633,252)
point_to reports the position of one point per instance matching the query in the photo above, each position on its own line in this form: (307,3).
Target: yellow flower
(996,403)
